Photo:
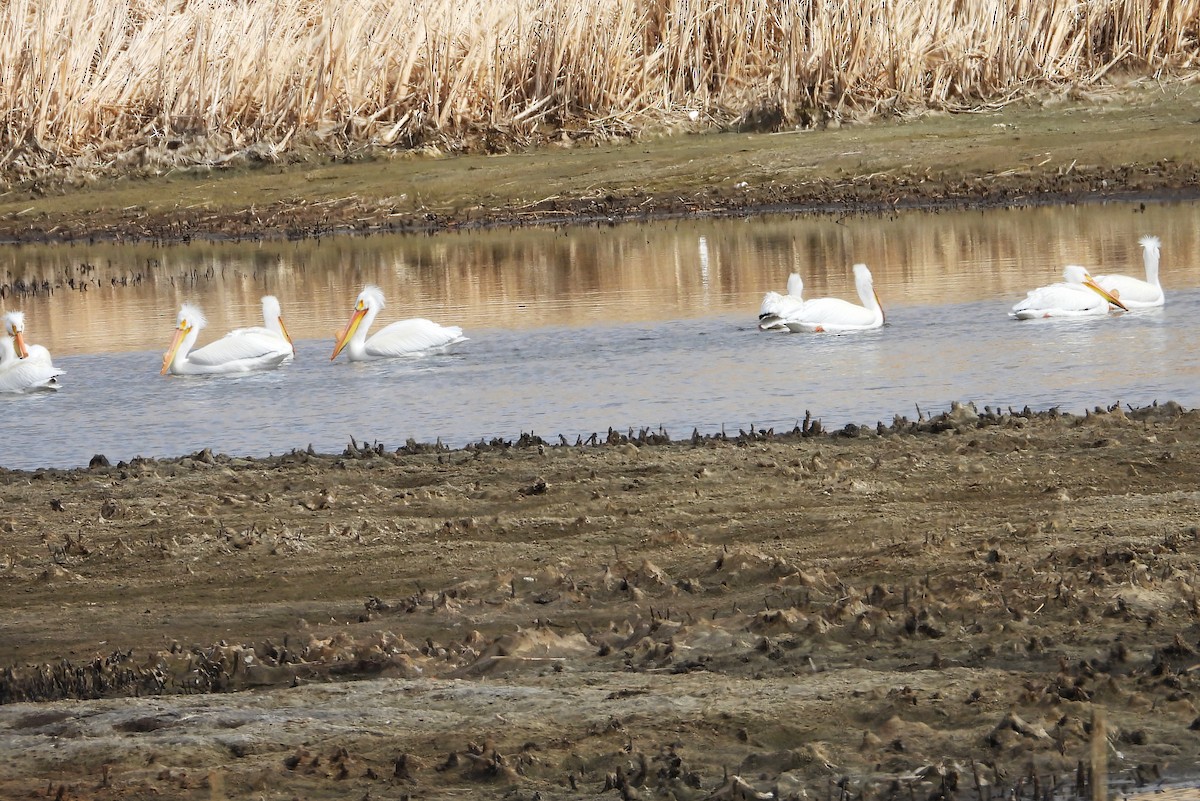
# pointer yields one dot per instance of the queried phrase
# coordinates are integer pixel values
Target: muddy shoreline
(931, 606)
(869, 196)
(1131, 144)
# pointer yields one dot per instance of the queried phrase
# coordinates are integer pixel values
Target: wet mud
(963, 606)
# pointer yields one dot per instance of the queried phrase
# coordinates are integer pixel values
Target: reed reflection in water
(575, 330)
(577, 276)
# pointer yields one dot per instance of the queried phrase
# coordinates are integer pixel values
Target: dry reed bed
(114, 82)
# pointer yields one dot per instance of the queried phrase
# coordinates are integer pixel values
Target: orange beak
(348, 331)
(169, 356)
(286, 335)
(1113, 299)
(22, 351)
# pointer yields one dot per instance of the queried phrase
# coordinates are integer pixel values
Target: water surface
(578, 329)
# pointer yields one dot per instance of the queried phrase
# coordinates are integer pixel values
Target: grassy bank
(141, 85)
(1140, 141)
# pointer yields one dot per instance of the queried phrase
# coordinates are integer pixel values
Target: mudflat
(958, 605)
(984, 604)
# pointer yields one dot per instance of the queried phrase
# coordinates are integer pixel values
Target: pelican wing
(833, 314)
(39, 355)
(245, 346)
(776, 311)
(779, 307)
(27, 376)
(281, 345)
(1061, 299)
(256, 330)
(412, 336)
(776, 307)
(1131, 291)
(770, 302)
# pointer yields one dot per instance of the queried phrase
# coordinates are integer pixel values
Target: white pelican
(1134, 292)
(272, 333)
(834, 315)
(404, 338)
(24, 368)
(1077, 295)
(235, 353)
(776, 309)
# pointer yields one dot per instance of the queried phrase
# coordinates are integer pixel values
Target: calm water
(576, 330)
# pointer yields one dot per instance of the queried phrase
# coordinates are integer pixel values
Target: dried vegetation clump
(143, 86)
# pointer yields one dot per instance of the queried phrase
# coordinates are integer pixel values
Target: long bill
(348, 332)
(169, 356)
(1104, 293)
(286, 335)
(22, 351)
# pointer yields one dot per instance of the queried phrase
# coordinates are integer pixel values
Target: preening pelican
(834, 315)
(24, 368)
(776, 309)
(241, 353)
(1077, 295)
(405, 338)
(1134, 292)
(272, 333)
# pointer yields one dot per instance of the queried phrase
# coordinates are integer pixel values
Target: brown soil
(936, 608)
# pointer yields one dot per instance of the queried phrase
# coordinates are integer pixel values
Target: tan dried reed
(91, 78)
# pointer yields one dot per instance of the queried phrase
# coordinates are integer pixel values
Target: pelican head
(1074, 274)
(190, 317)
(14, 322)
(14, 326)
(187, 325)
(273, 313)
(366, 306)
(370, 298)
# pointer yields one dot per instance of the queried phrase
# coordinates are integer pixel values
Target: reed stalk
(95, 80)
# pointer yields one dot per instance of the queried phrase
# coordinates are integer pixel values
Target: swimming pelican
(776, 309)
(1077, 295)
(834, 315)
(1134, 292)
(272, 333)
(24, 368)
(242, 353)
(404, 338)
